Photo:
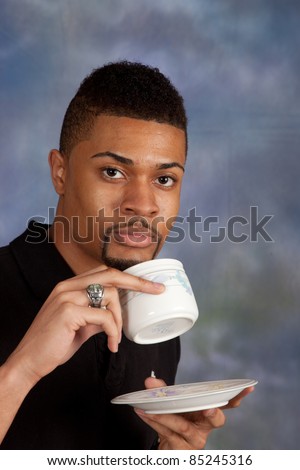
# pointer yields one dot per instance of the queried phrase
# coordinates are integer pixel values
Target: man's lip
(133, 237)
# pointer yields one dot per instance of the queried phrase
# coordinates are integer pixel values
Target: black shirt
(70, 408)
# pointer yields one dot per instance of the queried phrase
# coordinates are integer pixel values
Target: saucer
(185, 397)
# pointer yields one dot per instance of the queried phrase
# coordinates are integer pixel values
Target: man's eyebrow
(165, 166)
(115, 156)
(128, 161)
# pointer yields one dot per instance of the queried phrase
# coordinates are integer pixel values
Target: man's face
(122, 189)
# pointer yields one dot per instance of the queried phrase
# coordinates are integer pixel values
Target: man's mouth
(134, 237)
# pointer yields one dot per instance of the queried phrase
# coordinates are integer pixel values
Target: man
(118, 176)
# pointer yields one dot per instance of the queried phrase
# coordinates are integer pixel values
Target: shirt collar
(40, 262)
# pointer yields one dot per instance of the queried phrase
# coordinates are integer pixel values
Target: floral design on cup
(184, 282)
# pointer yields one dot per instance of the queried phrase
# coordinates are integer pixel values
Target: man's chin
(124, 261)
(114, 257)
(119, 263)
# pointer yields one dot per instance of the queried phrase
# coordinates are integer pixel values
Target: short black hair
(125, 89)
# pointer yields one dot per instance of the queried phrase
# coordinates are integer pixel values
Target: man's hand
(186, 430)
(63, 324)
(66, 321)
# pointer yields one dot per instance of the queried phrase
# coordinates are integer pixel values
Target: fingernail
(158, 286)
(153, 374)
(139, 412)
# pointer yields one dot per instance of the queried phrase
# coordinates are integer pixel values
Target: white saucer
(185, 397)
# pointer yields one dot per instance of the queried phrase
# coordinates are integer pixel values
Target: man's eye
(112, 173)
(165, 181)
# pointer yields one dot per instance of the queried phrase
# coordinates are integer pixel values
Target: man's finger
(236, 401)
(113, 278)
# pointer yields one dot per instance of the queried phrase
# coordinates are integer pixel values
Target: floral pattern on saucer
(161, 392)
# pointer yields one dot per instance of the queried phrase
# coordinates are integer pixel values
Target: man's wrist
(15, 378)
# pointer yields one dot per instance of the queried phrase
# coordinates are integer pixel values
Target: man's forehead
(128, 121)
(134, 139)
(123, 127)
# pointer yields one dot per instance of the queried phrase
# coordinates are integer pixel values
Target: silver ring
(95, 293)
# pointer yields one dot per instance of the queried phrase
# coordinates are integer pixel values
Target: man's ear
(58, 168)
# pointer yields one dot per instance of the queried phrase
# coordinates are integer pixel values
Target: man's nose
(139, 199)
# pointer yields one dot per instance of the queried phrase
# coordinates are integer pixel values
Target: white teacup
(151, 318)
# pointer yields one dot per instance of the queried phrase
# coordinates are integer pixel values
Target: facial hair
(122, 263)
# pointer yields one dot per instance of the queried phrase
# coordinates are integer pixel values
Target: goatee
(119, 263)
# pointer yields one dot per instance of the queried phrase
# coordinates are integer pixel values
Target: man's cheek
(169, 223)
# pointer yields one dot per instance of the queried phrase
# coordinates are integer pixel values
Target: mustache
(139, 222)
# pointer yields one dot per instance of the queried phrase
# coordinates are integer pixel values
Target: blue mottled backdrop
(237, 64)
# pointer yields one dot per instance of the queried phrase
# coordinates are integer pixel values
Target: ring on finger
(95, 293)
